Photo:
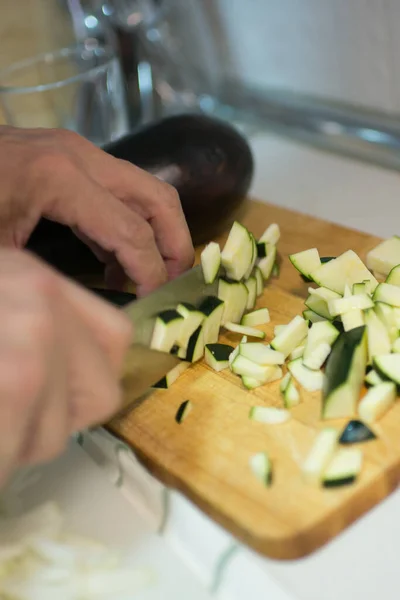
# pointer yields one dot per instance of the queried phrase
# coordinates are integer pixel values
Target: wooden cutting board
(206, 457)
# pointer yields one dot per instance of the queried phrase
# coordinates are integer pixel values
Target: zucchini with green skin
(306, 262)
(251, 285)
(348, 269)
(344, 374)
(183, 411)
(260, 465)
(372, 378)
(167, 330)
(217, 356)
(262, 249)
(170, 378)
(266, 265)
(253, 257)
(192, 318)
(210, 262)
(213, 309)
(243, 366)
(238, 252)
(344, 468)
(195, 348)
(356, 432)
(394, 275)
(259, 279)
(310, 315)
(387, 315)
(318, 300)
(291, 396)
(388, 367)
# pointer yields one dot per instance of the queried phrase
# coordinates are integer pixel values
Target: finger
(93, 387)
(159, 203)
(51, 424)
(19, 270)
(109, 223)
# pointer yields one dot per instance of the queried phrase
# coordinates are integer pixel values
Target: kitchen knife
(144, 366)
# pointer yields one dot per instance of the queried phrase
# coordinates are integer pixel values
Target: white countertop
(193, 557)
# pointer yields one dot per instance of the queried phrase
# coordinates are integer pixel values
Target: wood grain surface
(206, 457)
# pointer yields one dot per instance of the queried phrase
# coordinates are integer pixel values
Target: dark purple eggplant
(209, 163)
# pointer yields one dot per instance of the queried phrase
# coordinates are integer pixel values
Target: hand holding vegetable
(131, 220)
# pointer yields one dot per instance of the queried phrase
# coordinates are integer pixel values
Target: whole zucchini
(205, 159)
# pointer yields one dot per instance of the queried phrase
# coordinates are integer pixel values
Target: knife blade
(144, 366)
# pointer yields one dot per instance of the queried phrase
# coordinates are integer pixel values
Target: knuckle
(145, 235)
(170, 195)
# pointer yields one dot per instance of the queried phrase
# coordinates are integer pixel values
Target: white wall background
(348, 50)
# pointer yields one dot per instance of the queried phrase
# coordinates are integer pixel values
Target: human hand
(61, 356)
(132, 221)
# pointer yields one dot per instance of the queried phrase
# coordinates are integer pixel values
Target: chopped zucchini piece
(308, 379)
(183, 411)
(385, 256)
(262, 249)
(260, 280)
(293, 334)
(320, 455)
(257, 317)
(253, 258)
(234, 294)
(340, 306)
(170, 378)
(306, 262)
(388, 293)
(195, 348)
(323, 332)
(360, 288)
(344, 468)
(266, 264)
(377, 336)
(348, 269)
(356, 432)
(192, 318)
(394, 275)
(260, 465)
(344, 374)
(317, 357)
(250, 383)
(244, 366)
(297, 352)
(217, 356)
(377, 401)
(213, 309)
(269, 414)
(284, 382)
(251, 285)
(210, 262)
(291, 396)
(388, 366)
(271, 235)
(318, 299)
(250, 331)
(310, 315)
(233, 355)
(261, 354)
(373, 378)
(386, 314)
(167, 330)
(237, 254)
(352, 319)
(396, 346)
